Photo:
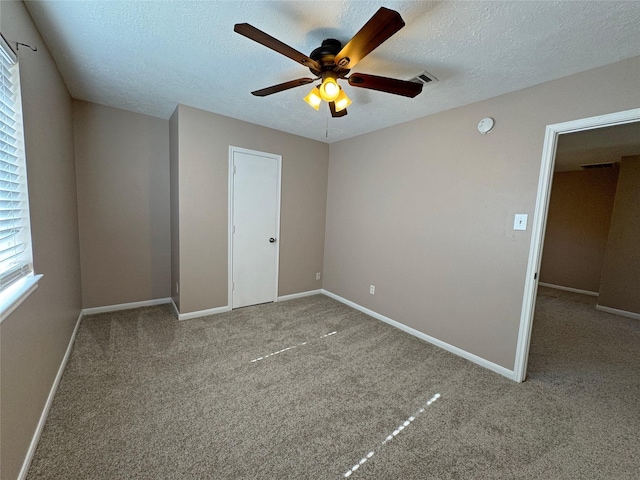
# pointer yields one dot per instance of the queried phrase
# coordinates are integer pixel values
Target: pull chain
(326, 135)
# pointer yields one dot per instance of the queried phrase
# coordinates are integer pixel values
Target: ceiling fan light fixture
(329, 90)
(342, 101)
(314, 99)
(332, 61)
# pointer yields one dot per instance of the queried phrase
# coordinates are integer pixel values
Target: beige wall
(424, 210)
(174, 142)
(620, 288)
(578, 227)
(122, 167)
(35, 336)
(203, 157)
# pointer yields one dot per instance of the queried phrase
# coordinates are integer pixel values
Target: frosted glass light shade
(314, 99)
(329, 90)
(342, 101)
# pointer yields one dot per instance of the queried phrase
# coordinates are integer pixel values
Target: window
(15, 237)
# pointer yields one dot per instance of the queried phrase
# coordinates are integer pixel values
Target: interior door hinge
(234, 229)
(535, 276)
(233, 285)
(234, 170)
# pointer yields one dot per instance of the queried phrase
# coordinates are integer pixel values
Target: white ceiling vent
(589, 166)
(424, 78)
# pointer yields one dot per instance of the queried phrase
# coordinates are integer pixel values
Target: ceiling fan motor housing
(325, 55)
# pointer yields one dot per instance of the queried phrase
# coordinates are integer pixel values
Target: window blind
(15, 237)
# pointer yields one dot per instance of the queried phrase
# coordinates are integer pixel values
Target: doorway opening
(552, 135)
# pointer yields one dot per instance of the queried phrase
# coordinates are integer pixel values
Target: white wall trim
(299, 295)
(230, 230)
(569, 289)
(199, 313)
(427, 338)
(125, 306)
(175, 308)
(47, 406)
(202, 313)
(13, 296)
(615, 311)
(540, 220)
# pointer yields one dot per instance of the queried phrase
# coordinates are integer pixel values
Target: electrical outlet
(372, 289)
(318, 276)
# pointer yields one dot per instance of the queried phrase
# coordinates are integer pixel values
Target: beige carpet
(270, 392)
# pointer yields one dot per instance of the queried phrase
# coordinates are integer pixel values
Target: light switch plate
(520, 221)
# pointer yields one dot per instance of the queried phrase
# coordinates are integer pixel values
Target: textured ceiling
(149, 56)
(600, 145)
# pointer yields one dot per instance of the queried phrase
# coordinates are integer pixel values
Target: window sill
(17, 293)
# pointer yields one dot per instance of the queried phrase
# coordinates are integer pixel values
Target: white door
(254, 190)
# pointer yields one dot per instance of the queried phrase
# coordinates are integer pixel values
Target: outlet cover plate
(520, 221)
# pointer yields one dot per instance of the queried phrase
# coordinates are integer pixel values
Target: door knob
(271, 240)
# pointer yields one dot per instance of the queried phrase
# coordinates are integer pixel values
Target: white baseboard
(125, 306)
(199, 313)
(175, 308)
(423, 336)
(214, 311)
(47, 406)
(568, 289)
(615, 311)
(299, 295)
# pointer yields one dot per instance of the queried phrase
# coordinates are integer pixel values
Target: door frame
(232, 150)
(540, 221)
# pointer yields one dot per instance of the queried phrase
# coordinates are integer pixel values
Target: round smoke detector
(485, 125)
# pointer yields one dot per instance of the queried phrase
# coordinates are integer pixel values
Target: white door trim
(540, 221)
(274, 156)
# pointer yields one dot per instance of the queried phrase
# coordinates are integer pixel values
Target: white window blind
(15, 237)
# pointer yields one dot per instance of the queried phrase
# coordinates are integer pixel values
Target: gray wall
(35, 336)
(122, 168)
(424, 210)
(620, 288)
(578, 227)
(203, 156)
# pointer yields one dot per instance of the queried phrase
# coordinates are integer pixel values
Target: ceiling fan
(332, 61)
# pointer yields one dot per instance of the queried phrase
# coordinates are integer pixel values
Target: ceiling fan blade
(380, 27)
(268, 41)
(281, 87)
(385, 84)
(334, 114)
